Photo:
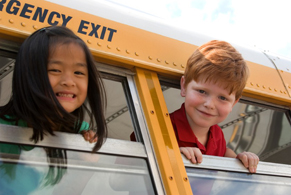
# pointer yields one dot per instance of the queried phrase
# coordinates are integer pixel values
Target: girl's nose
(67, 80)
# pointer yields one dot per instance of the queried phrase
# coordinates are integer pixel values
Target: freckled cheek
(225, 110)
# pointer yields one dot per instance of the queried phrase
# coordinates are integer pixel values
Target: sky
(264, 24)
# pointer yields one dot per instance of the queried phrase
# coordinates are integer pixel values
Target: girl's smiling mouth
(65, 95)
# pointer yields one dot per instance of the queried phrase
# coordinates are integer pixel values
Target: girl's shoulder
(84, 126)
(21, 123)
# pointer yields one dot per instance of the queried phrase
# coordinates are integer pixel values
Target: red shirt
(216, 144)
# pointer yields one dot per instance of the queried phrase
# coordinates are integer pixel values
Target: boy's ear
(182, 85)
(235, 102)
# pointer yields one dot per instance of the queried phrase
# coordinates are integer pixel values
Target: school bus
(142, 59)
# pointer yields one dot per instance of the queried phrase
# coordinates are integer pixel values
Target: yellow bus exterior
(149, 55)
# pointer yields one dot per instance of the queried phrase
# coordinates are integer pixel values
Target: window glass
(260, 129)
(204, 181)
(39, 170)
(6, 66)
(117, 115)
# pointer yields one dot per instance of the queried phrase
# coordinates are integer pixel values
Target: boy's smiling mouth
(205, 113)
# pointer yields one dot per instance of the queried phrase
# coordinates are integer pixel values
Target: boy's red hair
(218, 62)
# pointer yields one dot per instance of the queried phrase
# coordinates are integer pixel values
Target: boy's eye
(222, 98)
(201, 91)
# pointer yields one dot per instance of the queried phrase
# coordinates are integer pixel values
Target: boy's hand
(89, 135)
(192, 153)
(249, 160)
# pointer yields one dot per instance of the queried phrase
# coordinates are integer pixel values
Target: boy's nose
(209, 103)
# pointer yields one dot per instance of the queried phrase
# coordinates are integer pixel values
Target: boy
(212, 84)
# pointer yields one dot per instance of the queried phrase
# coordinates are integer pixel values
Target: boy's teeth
(65, 95)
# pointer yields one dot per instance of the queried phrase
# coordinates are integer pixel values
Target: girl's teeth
(65, 95)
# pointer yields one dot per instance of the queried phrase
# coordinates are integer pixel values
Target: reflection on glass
(36, 170)
(210, 182)
(263, 131)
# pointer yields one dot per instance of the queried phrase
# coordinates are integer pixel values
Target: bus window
(118, 117)
(262, 129)
(227, 176)
(59, 166)
(118, 113)
(6, 67)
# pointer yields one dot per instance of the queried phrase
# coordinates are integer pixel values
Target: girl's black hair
(33, 99)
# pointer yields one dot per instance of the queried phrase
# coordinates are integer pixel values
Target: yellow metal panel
(265, 84)
(166, 149)
(128, 45)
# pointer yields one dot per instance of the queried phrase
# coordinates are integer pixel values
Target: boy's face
(206, 104)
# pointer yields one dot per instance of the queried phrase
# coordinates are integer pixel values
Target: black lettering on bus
(111, 33)
(2, 4)
(103, 32)
(94, 30)
(10, 9)
(66, 20)
(25, 10)
(51, 16)
(82, 26)
(40, 14)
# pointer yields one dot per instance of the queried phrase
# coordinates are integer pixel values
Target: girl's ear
(182, 85)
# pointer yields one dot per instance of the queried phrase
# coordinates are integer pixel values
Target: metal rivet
(281, 91)
(166, 62)
(11, 21)
(282, 71)
(275, 90)
(108, 46)
(89, 41)
(264, 87)
(35, 27)
(99, 44)
(152, 112)
(258, 85)
(158, 60)
(136, 54)
(171, 178)
(117, 48)
(270, 88)
(185, 179)
(174, 64)
(284, 92)
(23, 24)
(289, 87)
(251, 83)
(182, 65)
(150, 58)
(127, 51)
(167, 114)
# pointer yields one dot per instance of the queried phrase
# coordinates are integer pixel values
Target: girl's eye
(79, 73)
(54, 70)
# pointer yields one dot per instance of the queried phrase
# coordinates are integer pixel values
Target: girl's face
(68, 75)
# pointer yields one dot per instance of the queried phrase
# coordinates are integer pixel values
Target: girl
(54, 77)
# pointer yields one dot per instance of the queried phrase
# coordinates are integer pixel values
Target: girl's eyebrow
(82, 65)
(52, 61)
